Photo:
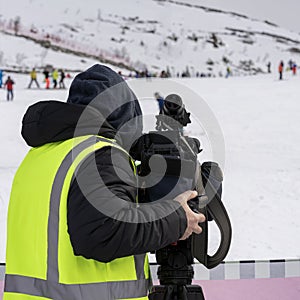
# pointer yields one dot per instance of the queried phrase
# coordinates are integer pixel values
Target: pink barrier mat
(245, 289)
(250, 289)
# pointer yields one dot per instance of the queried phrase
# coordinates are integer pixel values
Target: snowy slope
(21, 54)
(259, 118)
(152, 33)
(283, 13)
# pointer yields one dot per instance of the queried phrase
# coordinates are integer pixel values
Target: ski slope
(153, 34)
(259, 120)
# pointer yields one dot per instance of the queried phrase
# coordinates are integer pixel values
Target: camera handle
(213, 210)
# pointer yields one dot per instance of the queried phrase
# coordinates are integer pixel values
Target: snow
(282, 13)
(121, 30)
(27, 54)
(259, 120)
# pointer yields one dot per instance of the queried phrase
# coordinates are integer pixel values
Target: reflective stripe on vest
(55, 285)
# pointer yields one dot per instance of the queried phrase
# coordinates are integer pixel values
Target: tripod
(175, 274)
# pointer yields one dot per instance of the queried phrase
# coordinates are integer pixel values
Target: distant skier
(269, 67)
(47, 79)
(160, 100)
(61, 80)
(33, 78)
(163, 74)
(9, 83)
(294, 69)
(280, 70)
(147, 73)
(1, 78)
(55, 78)
(291, 63)
(228, 72)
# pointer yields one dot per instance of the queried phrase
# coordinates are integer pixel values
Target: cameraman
(61, 243)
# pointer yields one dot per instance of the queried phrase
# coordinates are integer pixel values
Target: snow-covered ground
(259, 118)
(152, 33)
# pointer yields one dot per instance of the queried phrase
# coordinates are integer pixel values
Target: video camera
(169, 167)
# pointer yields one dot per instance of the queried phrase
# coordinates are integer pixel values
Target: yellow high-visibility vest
(40, 262)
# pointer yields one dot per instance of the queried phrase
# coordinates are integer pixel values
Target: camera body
(168, 164)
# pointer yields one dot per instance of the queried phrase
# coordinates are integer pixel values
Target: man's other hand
(193, 219)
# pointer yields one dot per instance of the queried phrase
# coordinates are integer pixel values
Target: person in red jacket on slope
(280, 69)
(9, 83)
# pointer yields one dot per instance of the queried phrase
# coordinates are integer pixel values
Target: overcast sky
(285, 13)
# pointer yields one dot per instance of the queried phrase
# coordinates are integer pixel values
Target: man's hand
(193, 219)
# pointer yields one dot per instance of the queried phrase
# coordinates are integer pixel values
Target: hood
(99, 102)
(106, 91)
(53, 121)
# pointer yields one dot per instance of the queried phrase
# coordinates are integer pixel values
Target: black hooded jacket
(127, 229)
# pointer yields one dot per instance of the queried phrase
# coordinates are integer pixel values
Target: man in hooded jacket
(74, 228)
